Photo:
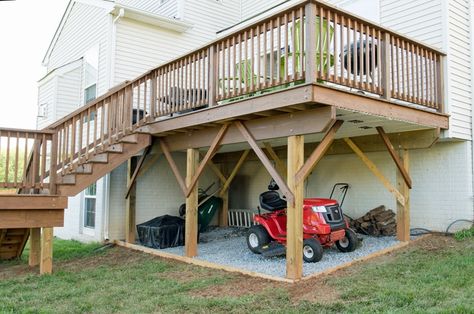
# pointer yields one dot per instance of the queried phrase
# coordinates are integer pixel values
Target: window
(90, 205)
(90, 93)
(43, 110)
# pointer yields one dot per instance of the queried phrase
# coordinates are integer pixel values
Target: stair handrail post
(310, 40)
(53, 164)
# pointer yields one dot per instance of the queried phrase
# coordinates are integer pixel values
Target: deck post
(403, 210)
(224, 213)
(294, 248)
(46, 263)
(191, 224)
(53, 164)
(386, 67)
(130, 219)
(310, 12)
(35, 246)
(212, 75)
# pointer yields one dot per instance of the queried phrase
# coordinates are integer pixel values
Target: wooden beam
(234, 172)
(294, 236)
(191, 223)
(278, 126)
(35, 247)
(31, 218)
(137, 170)
(279, 164)
(278, 99)
(174, 168)
(403, 209)
(266, 162)
(37, 202)
(210, 153)
(46, 262)
(318, 153)
(372, 167)
(332, 96)
(130, 203)
(395, 156)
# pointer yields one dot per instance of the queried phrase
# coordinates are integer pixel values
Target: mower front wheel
(312, 251)
(348, 243)
(257, 237)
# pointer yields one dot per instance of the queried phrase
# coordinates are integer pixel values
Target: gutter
(149, 18)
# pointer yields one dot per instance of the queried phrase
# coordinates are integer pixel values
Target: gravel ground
(227, 246)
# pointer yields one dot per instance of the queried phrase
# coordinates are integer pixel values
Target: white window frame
(85, 211)
(43, 110)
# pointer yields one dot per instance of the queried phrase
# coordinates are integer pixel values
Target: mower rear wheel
(312, 251)
(257, 237)
(348, 243)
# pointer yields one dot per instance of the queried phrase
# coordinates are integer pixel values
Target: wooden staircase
(88, 171)
(12, 242)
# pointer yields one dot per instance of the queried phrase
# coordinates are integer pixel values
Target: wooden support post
(46, 263)
(35, 247)
(224, 213)
(191, 224)
(130, 202)
(294, 238)
(403, 210)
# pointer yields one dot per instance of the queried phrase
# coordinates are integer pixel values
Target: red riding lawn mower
(324, 225)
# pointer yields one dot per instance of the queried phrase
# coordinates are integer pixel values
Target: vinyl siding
(168, 9)
(47, 95)
(86, 26)
(141, 47)
(424, 21)
(68, 92)
(251, 8)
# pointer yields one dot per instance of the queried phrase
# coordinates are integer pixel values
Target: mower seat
(272, 201)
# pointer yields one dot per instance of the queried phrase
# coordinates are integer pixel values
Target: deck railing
(310, 42)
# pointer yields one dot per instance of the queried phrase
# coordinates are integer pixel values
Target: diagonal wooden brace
(266, 162)
(395, 157)
(318, 153)
(174, 168)
(210, 153)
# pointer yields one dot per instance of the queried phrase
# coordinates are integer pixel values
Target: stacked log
(377, 222)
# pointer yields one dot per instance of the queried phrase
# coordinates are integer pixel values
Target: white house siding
(47, 95)
(74, 218)
(141, 47)
(251, 8)
(68, 93)
(445, 25)
(169, 8)
(157, 193)
(441, 190)
(86, 26)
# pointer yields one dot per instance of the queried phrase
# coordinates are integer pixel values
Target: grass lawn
(433, 275)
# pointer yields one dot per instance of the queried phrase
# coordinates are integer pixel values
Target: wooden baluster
(34, 173)
(246, 60)
(321, 44)
(53, 163)
(430, 58)
(301, 72)
(336, 50)
(265, 67)
(402, 69)
(422, 80)
(25, 159)
(80, 137)
(44, 144)
(15, 181)
(328, 44)
(239, 61)
(278, 67)
(287, 60)
(392, 64)
(252, 59)
(373, 57)
(349, 52)
(381, 64)
(271, 56)
(354, 55)
(360, 30)
(73, 139)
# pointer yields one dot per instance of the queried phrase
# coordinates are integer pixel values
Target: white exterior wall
(158, 193)
(86, 26)
(69, 92)
(445, 25)
(141, 47)
(252, 7)
(47, 95)
(442, 192)
(74, 218)
(169, 8)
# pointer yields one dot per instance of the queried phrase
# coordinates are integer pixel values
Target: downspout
(106, 202)
(471, 10)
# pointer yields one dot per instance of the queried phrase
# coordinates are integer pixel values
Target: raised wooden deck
(311, 73)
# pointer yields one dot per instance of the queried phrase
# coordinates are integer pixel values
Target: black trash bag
(162, 232)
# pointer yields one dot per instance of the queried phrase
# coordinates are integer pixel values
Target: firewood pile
(377, 222)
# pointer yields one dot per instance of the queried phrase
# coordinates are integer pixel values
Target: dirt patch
(314, 291)
(184, 273)
(435, 243)
(9, 270)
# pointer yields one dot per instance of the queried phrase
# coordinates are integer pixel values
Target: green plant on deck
(11, 166)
